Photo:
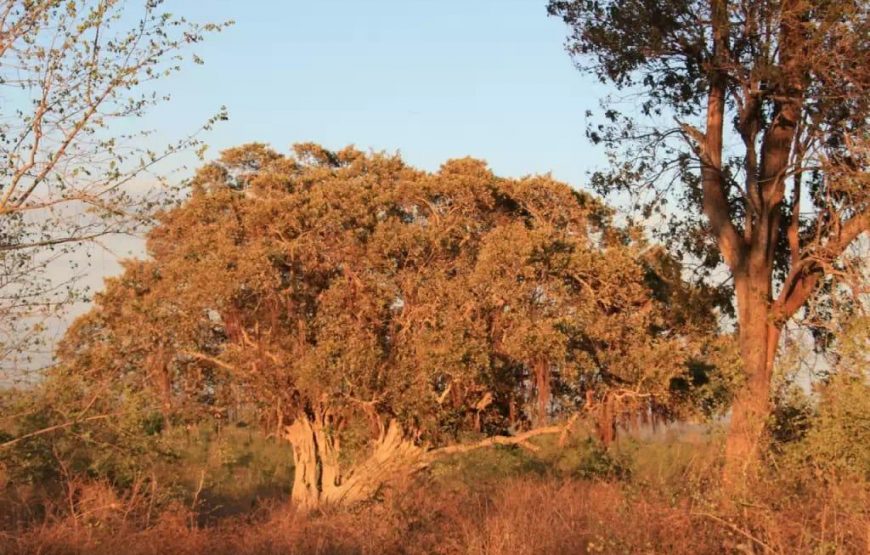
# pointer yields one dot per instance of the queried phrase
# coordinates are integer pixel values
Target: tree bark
(758, 337)
(306, 479)
(319, 480)
(751, 259)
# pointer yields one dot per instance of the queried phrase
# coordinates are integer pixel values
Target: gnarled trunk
(319, 479)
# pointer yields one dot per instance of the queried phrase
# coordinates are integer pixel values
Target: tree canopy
(361, 298)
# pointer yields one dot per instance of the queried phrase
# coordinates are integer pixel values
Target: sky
(433, 79)
(430, 79)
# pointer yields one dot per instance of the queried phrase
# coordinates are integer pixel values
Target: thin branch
(501, 440)
(803, 277)
(43, 431)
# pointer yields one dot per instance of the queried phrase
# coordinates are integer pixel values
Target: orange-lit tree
(751, 117)
(374, 314)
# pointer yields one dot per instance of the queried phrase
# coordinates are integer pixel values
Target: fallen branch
(519, 439)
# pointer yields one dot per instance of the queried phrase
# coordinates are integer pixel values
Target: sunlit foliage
(351, 292)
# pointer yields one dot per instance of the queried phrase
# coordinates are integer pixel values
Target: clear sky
(433, 79)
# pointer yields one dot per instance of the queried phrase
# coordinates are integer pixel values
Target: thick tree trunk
(758, 337)
(319, 480)
(306, 478)
(747, 258)
(758, 318)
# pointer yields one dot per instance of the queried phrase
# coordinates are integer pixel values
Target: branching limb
(804, 276)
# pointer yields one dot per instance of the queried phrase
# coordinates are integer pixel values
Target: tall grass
(643, 497)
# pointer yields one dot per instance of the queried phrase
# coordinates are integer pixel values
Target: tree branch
(205, 358)
(12, 442)
(502, 440)
(7, 247)
(804, 276)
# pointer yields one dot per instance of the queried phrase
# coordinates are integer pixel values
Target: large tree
(753, 114)
(74, 74)
(373, 314)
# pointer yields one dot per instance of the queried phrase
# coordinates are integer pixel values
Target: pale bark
(320, 481)
(319, 478)
(305, 493)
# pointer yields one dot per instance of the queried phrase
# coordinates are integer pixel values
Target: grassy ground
(229, 472)
(651, 495)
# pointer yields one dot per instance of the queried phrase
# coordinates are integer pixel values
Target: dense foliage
(352, 292)
(343, 321)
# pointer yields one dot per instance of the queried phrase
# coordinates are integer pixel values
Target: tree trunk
(306, 479)
(319, 480)
(758, 339)
(752, 264)
(542, 387)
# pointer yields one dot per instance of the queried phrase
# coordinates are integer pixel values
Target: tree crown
(351, 283)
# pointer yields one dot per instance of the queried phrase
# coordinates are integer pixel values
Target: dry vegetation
(301, 330)
(488, 504)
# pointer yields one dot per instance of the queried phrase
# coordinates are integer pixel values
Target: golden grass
(520, 516)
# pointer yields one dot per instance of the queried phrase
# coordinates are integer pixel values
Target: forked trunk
(319, 479)
(760, 321)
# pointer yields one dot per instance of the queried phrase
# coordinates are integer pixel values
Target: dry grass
(520, 516)
(496, 502)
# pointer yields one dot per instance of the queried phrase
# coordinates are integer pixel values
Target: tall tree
(754, 114)
(74, 74)
(372, 313)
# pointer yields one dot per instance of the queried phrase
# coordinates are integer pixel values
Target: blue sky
(433, 79)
